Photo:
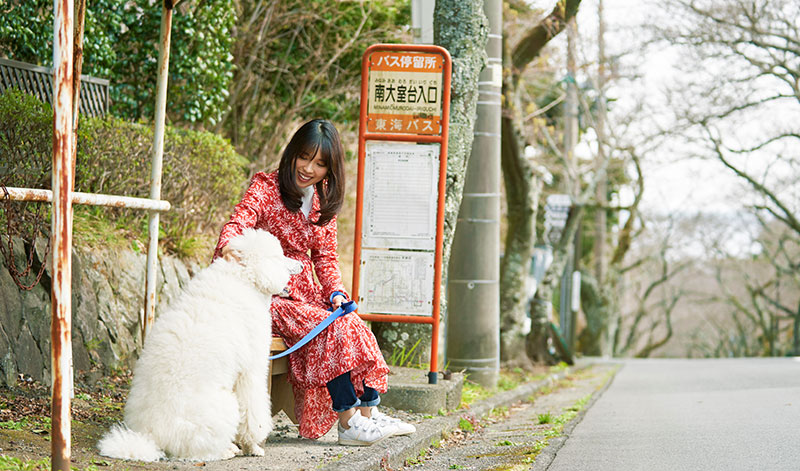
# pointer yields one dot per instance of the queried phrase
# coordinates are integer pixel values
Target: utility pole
(568, 316)
(422, 21)
(473, 321)
(571, 105)
(600, 222)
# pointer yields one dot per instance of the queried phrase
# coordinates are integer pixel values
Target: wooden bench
(280, 390)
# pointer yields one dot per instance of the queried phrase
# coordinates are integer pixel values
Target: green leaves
(121, 44)
(300, 59)
(202, 173)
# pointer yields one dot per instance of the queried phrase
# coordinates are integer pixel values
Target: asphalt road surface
(725, 414)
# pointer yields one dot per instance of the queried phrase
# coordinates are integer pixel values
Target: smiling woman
(310, 169)
(313, 159)
(341, 371)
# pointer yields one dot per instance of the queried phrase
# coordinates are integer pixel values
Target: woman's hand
(229, 254)
(337, 301)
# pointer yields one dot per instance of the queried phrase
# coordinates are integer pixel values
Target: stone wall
(107, 303)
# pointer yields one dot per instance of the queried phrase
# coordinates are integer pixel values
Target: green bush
(121, 44)
(202, 174)
(26, 141)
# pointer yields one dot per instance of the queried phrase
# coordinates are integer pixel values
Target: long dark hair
(318, 134)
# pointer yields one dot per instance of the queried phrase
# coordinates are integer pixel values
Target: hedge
(202, 177)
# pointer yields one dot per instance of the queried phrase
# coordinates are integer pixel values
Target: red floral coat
(348, 344)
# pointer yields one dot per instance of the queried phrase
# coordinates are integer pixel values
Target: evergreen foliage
(121, 44)
(202, 173)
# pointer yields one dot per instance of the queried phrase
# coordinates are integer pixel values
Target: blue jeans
(343, 395)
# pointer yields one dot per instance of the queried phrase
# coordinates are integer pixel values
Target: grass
(527, 454)
(10, 463)
(465, 425)
(499, 411)
(549, 426)
(12, 425)
(507, 380)
(401, 356)
(95, 227)
(472, 392)
(33, 424)
(546, 418)
(419, 459)
(15, 464)
(506, 383)
(558, 422)
(580, 403)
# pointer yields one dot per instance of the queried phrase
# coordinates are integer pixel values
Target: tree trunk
(522, 197)
(542, 306)
(522, 186)
(600, 220)
(460, 26)
(796, 333)
(594, 309)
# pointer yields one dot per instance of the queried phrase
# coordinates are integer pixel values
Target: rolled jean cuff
(357, 404)
(371, 403)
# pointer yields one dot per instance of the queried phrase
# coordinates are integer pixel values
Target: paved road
(731, 414)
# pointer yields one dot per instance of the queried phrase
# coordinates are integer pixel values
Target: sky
(671, 184)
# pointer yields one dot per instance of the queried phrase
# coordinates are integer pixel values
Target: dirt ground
(25, 421)
(25, 434)
(511, 438)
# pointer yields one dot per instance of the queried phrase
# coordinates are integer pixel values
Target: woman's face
(309, 169)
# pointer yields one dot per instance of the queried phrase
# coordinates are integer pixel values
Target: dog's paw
(256, 451)
(234, 449)
(252, 450)
(229, 453)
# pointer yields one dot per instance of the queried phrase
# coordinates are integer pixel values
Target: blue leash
(345, 308)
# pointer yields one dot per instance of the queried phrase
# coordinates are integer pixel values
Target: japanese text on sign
(401, 180)
(405, 93)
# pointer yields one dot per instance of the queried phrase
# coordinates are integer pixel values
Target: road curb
(393, 452)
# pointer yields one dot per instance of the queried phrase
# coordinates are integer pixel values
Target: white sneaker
(383, 420)
(363, 431)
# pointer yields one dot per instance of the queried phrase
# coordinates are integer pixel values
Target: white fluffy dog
(200, 387)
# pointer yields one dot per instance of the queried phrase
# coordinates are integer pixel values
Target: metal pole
(570, 141)
(93, 199)
(601, 264)
(600, 219)
(158, 153)
(77, 64)
(473, 321)
(61, 235)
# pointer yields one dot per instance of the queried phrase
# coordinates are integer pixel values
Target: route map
(396, 282)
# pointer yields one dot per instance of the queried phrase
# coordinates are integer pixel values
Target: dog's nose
(293, 266)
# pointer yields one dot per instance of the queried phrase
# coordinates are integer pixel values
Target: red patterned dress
(348, 344)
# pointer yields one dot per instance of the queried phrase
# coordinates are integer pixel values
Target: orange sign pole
(383, 125)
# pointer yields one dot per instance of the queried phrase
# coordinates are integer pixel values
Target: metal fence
(38, 81)
(46, 83)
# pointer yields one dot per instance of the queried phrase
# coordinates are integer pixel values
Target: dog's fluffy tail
(124, 443)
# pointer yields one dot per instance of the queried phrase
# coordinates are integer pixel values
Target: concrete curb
(393, 452)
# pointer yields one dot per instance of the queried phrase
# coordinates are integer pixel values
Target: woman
(341, 371)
